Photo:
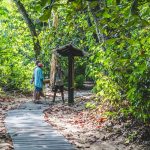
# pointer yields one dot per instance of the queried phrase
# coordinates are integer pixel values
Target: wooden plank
(29, 131)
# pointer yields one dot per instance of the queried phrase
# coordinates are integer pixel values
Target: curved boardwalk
(29, 131)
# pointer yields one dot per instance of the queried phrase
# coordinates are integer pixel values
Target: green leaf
(145, 23)
(93, 4)
(106, 15)
(46, 15)
(43, 2)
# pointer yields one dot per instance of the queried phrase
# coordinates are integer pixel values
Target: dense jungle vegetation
(114, 33)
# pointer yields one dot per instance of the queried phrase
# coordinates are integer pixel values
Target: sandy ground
(87, 129)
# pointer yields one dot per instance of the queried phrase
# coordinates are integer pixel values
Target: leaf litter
(88, 129)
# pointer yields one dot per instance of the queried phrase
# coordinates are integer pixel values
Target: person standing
(36, 65)
(58, 83)
(38, 81)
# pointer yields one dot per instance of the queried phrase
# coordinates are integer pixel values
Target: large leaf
(46, 15)
(44, 2)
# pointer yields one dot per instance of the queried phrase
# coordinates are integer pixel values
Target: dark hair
(37, 61)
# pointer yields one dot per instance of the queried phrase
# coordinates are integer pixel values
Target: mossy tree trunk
(53, 63)
(31, 26)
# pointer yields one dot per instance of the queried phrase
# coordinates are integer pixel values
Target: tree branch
(22, 10)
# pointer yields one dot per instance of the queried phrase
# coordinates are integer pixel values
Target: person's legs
(34, 95)
(62, 93)
(55, 91)
(41, 93)
(54, 96)
(37, 93)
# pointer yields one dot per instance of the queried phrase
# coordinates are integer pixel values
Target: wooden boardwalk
(29, 131)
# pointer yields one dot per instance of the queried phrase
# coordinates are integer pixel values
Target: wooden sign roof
(69, 50)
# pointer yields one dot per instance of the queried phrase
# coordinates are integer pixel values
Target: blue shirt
(38, 77)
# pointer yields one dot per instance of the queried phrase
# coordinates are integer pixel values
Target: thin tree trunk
(100, 36)
(22, 10)
(53, 63)
(90, 24)
(54, 59)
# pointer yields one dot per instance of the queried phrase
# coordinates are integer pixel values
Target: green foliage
(122, 69)
(120, 64)
(16, 66)
(131, 137)
(107, 88)
(90, 105)
(114, 33)
(79, 80)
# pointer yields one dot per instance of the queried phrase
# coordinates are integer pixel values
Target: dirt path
(87, 129)
(80, 128)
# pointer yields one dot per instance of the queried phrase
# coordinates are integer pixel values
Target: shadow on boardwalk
(28, 129)
(77, 124)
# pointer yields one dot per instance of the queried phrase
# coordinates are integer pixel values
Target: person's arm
(32, 80)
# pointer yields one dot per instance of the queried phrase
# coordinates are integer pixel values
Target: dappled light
(29, 130)
(74, 74)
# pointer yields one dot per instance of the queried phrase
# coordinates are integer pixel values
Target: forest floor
(86, 128)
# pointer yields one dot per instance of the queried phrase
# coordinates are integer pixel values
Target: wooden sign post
(70, 51)
(71, 80)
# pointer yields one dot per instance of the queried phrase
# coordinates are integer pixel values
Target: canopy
(69, 50)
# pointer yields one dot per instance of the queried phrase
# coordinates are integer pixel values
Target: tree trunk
(90, 24)
(22, 10)
(53, 63)
(100, 36)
